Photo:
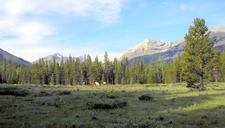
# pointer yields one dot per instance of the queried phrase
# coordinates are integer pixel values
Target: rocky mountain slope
(153, 50)
(58, 58)
(8, 56)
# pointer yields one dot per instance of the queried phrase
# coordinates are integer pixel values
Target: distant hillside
(58, 58)
(157, 50)
(8, 56)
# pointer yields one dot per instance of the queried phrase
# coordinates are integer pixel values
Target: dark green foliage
(63, 92)
(44, 93)
(145, 97)
(76, 72)
(198, 52)
(147, 58)
(15, 91)
(105, 104)
(223, 66)
(112, 96)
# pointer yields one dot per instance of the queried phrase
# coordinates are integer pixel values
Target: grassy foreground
(112, 106)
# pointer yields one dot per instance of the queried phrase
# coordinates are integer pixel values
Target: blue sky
(32, 29)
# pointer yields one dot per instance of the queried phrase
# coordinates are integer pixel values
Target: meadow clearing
(112, 106)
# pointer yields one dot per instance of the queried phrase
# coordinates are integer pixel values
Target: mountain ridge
(8, 56)
(58, 58)
(169, 50)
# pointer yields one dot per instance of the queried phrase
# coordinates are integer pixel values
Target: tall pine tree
(198, 51)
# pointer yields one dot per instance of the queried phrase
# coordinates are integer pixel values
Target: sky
(32, 29)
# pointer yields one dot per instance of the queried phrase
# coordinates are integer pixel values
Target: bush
(44, 93)
(92, 95)
(64, 93)
(145, 97)
(112, 96)
(105, 104)
(15, 91)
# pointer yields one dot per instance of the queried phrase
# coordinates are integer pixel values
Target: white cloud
(183, 6)
(23, 31)
(186, 7)
(105, 10)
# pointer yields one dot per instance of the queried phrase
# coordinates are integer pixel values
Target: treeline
(75, 72)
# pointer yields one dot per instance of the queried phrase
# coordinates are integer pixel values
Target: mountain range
(58, 58)
(157, 50)
(8, 56)
(147, 49)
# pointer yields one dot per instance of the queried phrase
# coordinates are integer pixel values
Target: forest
(199, 63)
(75, 72)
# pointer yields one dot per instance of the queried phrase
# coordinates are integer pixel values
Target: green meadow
(112, 106)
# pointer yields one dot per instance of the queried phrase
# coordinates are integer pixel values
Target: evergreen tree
(81, 70)
(103, 78)
(52, 79)
(223, 66)
(178, 68)
(35, 74)
(138, 71)
(216, 60)
(77, 72)
(127, 74)
(66, 74)
(61, 71)
(3, 71)
(198, 51)
(132, 72)
(123, 81)
(42, 69)
(50, 72)
(57, 73)
(97, 70)
(89, 69)
(107, 67)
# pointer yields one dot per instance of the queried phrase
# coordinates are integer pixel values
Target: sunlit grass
(172, 105)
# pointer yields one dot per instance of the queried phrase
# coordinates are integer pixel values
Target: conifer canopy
(198, 52)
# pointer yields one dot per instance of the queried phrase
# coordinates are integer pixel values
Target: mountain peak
(146, 47)
(150, 49)
(57, 55)
(217, 29)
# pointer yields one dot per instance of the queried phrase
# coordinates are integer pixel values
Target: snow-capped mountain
(58, 58)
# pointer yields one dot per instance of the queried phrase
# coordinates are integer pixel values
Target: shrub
(112, 96)
(92, 95)
(64, 92)
(145, 97)
(58, 102)
(44, 93)
(106, 104)
(11, 90)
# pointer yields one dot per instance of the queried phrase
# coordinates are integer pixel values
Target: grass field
(112, 106)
